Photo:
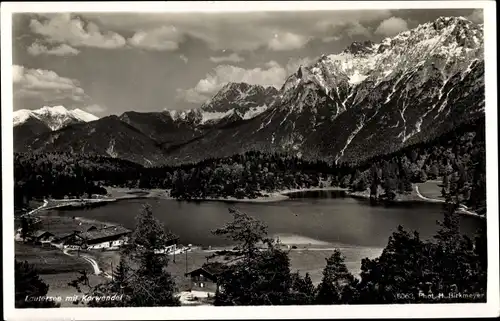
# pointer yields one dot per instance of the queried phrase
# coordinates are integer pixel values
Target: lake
(322, 218)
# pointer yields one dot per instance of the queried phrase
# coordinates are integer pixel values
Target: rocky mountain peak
(239, 96)
(360, 47)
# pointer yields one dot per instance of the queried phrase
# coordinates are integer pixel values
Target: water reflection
(326, 216)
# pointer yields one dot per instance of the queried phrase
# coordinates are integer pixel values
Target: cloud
(357, 29)
(331, 39)
(95, 109)
(271, 74)
(165, 38)
(234, 57)
(45, 85)
(63, 28)
(230, 30)
(391, 27)
(190, 96)
(37, 49)
(271, 64)
(294, 64)
(476, 16)
(287, 41)
(351, 28)
(184, 58)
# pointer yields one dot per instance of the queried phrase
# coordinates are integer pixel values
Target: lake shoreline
(162, 194)
(414, 197)
(269, 197)
(119, 194)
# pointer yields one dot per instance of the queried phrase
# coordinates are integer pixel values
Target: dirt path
(45, 203)
(92, 261)
(435, 200)
(461, 210)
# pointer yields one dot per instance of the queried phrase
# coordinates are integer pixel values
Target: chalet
(205, 277)
(38, 237)
(108, 237)
(65, 239)
(43, 237)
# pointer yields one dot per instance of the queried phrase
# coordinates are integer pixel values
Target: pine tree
(374, 182)
(149, 284)
(28, 287)
(307, 286)
(446, 182)
(455, 261)
(434, 171)
(336, 278)
(121, 276)
(247, 232)
(449, 231)
(422, 176)
(302, 289)
(259, 272)
(29, 225)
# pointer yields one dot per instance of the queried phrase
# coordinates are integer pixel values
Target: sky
(109, 63)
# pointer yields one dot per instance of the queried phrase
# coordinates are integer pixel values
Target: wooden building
(43, 237)
(205, 277)
(108, 238)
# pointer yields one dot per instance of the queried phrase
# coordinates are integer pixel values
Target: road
(45, 203)
(435, 200)
(92, 261)
(461, 210)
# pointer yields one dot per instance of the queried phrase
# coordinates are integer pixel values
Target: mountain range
(53, 118)
(367, 100)
(30, 124)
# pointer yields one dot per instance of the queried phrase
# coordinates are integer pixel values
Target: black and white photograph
(184, 156)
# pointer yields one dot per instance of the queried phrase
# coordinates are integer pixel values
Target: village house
(205, 277)
(37, 237)
(66, 240)
(77, 234)
(43, 237)
(106, 238)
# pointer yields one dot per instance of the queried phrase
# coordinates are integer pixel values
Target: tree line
(456, 156)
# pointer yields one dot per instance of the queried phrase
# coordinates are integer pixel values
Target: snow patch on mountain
(214, 116)
(356, 78)
(83, 115)
(350, 138)
(22, 115)
(451, 43)
(55, 117)
(200, 117)
(239, 96)
(239, 100)
(179, 114)
(254, 111)
(111, 148)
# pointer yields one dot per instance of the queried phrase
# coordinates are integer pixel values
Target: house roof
(214, 268)
(41, 233)
(62, 226)
(104, 232)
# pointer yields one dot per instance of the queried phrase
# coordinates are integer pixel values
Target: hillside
(370, 99)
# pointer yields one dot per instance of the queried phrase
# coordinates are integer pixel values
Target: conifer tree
(336, 278)
(29, 287)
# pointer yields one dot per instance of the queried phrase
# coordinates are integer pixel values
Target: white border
(491, 308)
